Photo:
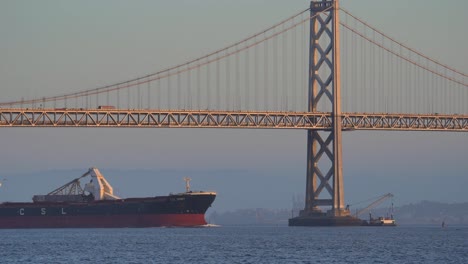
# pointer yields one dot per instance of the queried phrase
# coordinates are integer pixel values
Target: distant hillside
(422, 213)
(427, 212)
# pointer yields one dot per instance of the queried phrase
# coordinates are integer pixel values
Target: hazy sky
(53, 47)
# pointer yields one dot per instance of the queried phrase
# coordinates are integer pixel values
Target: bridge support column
(324, 185)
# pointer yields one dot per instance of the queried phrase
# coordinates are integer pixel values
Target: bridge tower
(324, 155)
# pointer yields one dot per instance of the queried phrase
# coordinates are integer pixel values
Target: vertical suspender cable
(237, 80)
(294, 68)
(246, 88)
(265, 76)
(179, 101)
(208, 86)
(218, 99)
(256, 84)
(189, 88)
(148, 94)
(284, 101)
(198, 95)
(228, 86)
(169, 102)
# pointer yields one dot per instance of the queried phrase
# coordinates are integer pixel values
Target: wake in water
(210, 225)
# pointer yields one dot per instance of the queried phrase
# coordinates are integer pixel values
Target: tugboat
(96, 206)
(381, 221)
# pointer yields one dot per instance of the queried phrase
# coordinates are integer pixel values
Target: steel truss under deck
(224, 119)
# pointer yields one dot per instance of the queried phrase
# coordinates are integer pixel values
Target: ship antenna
(187, 184)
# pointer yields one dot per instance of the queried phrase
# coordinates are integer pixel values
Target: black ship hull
(186, 209)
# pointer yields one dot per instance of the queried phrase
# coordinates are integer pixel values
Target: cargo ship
(96, 206)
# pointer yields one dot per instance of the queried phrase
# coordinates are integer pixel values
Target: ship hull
(114, 221)
(183, 210)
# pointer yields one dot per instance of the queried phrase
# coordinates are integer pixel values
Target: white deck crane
(99, 187)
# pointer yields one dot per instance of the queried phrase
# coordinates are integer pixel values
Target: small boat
(381, 221)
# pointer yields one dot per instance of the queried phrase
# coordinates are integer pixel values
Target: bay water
(237, 244)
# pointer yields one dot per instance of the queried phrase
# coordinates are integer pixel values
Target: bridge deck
(225, 119)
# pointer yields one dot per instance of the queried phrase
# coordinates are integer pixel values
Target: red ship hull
(110, 221)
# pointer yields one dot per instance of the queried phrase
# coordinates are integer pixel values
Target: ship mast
(187, 184)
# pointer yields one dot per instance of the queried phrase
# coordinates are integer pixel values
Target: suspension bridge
(323, 70)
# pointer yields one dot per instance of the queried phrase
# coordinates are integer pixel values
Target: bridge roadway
(73, 117)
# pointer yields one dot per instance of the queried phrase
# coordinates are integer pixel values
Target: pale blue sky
(53, 47)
